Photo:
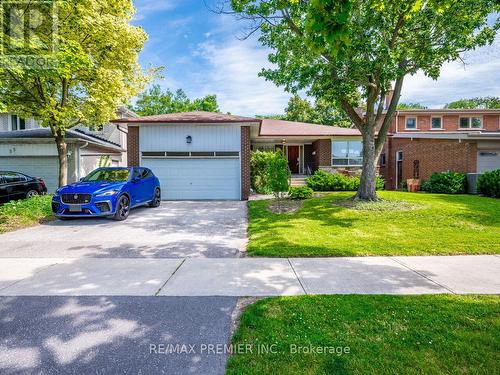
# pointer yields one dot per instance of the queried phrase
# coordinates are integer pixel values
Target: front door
(399, 170)
(293, 158)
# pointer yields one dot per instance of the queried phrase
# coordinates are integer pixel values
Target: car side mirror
(136, 180)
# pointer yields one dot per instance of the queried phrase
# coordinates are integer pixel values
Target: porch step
(298, 181)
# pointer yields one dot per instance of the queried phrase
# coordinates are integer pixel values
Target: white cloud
(232, 73)
(479, 77)
(146, 7)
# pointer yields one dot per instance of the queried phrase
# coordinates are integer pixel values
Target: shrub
(489, 184)
(447, 183)
(259, 171)
(426, 186)
(324, 181)
(300, 192)
(278, 174)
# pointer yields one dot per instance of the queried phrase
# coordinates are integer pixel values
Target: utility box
(472, 182)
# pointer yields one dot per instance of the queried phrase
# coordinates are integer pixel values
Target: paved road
(250, 276)
(174, 230)
(113, 335)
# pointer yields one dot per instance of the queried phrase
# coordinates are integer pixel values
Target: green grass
(404, 224)
(24, 213)
(440, 334)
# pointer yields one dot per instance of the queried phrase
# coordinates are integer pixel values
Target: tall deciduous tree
(488, 102)
(411, 106)
(351, 51)
(303, 110)
(155, 101)
(93, 66)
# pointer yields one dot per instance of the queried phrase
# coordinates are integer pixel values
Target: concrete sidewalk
(249, 276)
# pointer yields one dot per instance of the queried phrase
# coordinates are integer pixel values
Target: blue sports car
(110, 192)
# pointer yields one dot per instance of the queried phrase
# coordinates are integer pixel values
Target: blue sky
(202, 55)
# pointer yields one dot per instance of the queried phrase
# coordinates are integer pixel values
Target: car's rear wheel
(122, 208)
(156, 199)
(31, 193)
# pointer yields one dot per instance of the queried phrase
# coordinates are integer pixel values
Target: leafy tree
(278, 174)
(155, 102)
(321, 112)
(488, 102)
(352, 51)
(411, 106)
(301, 110)
(92, 72)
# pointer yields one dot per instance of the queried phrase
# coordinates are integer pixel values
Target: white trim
(480, 117)
(416, 122)
(342, 165)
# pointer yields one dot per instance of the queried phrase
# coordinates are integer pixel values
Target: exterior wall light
(189, 139)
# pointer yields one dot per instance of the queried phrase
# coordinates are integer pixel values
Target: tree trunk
(62, 152)
(367, 186)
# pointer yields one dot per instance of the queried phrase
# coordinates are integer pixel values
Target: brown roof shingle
(188, 117)
(270, 128)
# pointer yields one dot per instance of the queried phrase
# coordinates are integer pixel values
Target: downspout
(78, 176)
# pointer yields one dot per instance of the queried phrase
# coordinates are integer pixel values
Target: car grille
(76, 198)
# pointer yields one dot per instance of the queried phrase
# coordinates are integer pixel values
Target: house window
(382, 160)
(470, 123)
(436, 123)
(13, 121)
(411, 123)
(17, 123)
(347, 153)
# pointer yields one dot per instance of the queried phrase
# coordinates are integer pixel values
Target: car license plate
(75, 208)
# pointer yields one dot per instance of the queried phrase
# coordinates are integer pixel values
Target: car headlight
(57, 193)
(108, 193)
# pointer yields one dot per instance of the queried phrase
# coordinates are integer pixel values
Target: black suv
(15, 185)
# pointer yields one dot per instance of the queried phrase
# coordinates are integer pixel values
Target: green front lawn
(440, 334)
(25, 213)
(406, 224)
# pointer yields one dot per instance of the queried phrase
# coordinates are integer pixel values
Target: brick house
(202, 155)
(421, 142)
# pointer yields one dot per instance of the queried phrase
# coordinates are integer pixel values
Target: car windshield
(108, 175)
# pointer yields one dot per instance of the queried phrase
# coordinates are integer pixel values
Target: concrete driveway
(174, 230)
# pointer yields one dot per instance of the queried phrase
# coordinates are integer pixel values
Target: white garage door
(47, 168)
(488, 160)
(186, 179)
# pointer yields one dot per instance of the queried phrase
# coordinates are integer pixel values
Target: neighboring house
(28, 148)
(423, 141)
(202, 155)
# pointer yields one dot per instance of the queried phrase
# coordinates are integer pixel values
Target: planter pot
(413, 185)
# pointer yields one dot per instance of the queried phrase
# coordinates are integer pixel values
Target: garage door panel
(488, 160)
(47, 168)
(197, 178)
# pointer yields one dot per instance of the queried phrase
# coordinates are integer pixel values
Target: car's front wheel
(31, 193)
(122, 208)
(156, 199)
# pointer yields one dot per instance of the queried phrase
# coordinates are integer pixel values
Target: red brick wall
(133, 158)
(245, 162)
(491, 122)
(323, 150)
(434, 155)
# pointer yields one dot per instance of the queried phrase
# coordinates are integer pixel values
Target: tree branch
(382, 134)
(351, 112)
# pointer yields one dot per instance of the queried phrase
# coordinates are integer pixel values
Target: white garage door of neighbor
(488, 160)
(186, 179)
(47, 168)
